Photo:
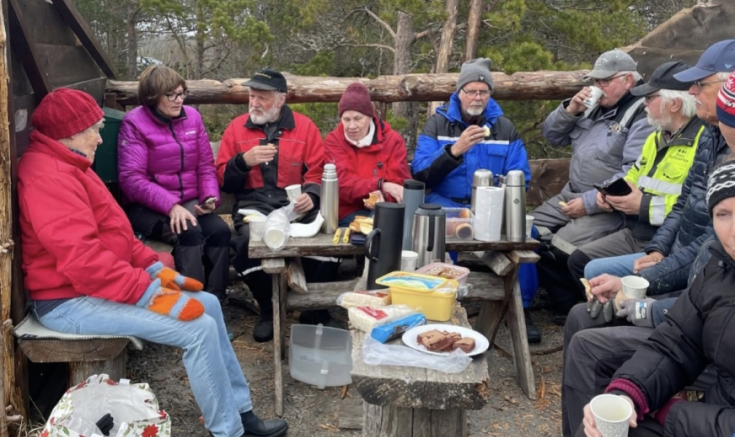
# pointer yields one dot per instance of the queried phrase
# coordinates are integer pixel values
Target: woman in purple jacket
(168, 180)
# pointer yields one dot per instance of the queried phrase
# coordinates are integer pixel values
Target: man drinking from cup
(591, 356)
(606, 140)
(263, 152)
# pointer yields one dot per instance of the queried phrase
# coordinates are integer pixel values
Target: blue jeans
(617, 266)
(216, 378)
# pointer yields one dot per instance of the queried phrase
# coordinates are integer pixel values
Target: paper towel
(488, 213)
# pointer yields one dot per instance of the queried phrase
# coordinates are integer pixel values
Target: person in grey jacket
(606, 141)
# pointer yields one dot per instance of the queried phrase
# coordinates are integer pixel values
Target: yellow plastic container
(435, 305)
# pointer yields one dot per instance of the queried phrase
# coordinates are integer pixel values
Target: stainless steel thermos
(429, 238)
(515, 206)
(329, 199)
(481, 178)
(413, 196)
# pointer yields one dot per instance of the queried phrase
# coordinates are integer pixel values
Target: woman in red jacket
(86, 273)
(369, 155)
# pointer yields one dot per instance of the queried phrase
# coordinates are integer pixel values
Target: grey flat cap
(610, 63)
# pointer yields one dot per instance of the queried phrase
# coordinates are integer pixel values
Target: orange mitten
(170, 303)
(173, 279)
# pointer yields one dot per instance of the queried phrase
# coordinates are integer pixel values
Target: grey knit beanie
(475, 70)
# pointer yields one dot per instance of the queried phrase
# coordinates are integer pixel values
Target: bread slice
(467, 344)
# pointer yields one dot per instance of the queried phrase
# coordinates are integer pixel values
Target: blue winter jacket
(451, 177)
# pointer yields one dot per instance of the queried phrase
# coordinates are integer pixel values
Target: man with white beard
(655, 179)
(261, 153)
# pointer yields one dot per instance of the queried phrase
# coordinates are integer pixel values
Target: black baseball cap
(663, 79)
(267, 80)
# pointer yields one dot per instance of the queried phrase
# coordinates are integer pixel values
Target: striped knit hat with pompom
(726, 102)
(721, 184)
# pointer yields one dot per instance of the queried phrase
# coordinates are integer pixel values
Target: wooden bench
(85, 355)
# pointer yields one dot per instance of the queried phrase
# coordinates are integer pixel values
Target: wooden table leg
(519, 342)
(277, 340)
(390, 421)
(492, 312)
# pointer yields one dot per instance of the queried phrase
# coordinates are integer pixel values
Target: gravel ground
(314, 413)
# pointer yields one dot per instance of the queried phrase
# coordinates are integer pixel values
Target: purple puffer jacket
(162, 164)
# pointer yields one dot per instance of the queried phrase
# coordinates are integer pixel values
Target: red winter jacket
(359, 170)
(76, 239)
(300, 160)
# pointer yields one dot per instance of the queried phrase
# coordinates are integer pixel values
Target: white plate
(409, 338)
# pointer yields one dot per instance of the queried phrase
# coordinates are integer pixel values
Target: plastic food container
(460, 224)
(320, 356)
(433, 296)
(444, 270)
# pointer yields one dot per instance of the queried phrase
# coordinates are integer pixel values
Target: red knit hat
(726, 102)
(65, 112)
(356, 98)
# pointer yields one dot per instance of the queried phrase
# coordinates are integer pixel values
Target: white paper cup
(293, 192)
(409, 260)
(612, 413)
(257, 228)
(595, 96)
(635, 287)
(529, 225)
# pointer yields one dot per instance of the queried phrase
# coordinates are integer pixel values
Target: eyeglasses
(605, 82)
(475, 93)
(172, 97)
(700, 85)
(649, 98)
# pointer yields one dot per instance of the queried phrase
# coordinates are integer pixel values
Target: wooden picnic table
(414, 401)
(503, 258)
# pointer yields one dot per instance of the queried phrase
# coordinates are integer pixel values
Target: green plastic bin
(105, 161)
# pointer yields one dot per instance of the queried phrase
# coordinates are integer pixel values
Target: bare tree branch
(381, 22)
(379, 46)
(423, 33)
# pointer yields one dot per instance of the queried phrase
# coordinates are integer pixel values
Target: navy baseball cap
(720, 56)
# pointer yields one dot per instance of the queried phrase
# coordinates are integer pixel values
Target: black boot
(532, 332)
(315, 317)
(255, 427)
(263, 330)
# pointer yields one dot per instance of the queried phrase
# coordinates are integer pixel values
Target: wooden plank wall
(62, 57)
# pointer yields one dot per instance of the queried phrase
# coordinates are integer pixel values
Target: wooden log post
(10, 394)
(537, 85)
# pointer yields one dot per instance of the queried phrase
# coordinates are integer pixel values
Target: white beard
(475, 111)
(259, 117)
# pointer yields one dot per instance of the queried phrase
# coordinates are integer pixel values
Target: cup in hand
(293, 192)
(409, 259)
(612, 413)
(635, 287)
(595, 96)
(257, 228)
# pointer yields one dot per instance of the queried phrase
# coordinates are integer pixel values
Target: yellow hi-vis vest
(661, 169)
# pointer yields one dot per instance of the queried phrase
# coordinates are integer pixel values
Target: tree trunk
(446, 43)
(473, 29)
(132, 62)
(402, 58)
(536, 85)
(200, 37)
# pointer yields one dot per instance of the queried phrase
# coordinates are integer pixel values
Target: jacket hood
(49, 146)
(453, 112)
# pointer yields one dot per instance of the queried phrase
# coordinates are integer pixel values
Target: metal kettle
(429, 238)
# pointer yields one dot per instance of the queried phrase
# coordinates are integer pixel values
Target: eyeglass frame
(699, 83)
(477, 93)
(599, 82)
(184, 94)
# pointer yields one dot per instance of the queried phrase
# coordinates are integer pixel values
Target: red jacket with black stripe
(300, 160)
